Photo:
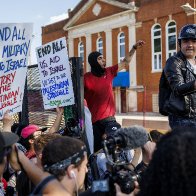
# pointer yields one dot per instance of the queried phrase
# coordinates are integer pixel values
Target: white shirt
(193, 66)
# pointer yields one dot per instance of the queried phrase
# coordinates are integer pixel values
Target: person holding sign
(99, 95)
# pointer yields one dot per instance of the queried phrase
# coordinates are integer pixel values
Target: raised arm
(125, 62)
(35, 174)
(57, 122)
(7, 121)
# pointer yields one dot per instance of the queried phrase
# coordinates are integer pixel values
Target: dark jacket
(181, 78)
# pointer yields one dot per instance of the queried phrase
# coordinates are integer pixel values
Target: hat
(111, 128)
(30, 129)
(7, 139)
(188, 32)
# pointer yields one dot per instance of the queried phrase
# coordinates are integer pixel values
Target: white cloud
(54, 19)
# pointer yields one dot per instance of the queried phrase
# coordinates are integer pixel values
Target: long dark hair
(172, 170)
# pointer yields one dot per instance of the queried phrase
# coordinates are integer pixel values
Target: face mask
(96, 69)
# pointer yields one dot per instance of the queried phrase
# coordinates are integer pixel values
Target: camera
(124, 177)
(71, 129)
(114, 162)
(117, 166)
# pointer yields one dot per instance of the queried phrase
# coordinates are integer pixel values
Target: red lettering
(4, 88)
(7, 79)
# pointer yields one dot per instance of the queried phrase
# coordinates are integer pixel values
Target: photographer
(113, 164)
(23, 184)
(67, 165)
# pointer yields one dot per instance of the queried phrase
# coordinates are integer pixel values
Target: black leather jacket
(181, 78)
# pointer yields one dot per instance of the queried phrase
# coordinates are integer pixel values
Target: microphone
(130, 138)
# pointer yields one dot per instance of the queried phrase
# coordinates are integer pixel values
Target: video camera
(117, 165)
(116, 148)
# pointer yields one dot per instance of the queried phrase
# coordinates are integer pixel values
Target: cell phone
(100, 185)
(21, 147)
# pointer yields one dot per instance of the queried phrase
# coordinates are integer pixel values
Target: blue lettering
(2, 66)
(5, 33)
(55, 94)
(13, 65)
(14, 35)
(17, 35)
(15, 50)
(55, 87)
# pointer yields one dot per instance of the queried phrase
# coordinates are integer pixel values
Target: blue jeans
(177, 121)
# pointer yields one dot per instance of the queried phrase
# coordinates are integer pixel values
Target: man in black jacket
(180, 72)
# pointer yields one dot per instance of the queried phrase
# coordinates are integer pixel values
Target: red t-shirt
(99, 95)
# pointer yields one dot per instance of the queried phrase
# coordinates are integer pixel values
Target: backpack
(164, 94)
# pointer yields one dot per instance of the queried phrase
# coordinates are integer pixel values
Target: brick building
(112, 27)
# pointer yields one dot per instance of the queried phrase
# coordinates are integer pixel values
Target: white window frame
(81, 50)
(100, 48)
(157, 54)
(167, 27)
(119, 46)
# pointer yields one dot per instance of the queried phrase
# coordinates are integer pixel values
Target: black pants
(108, 126)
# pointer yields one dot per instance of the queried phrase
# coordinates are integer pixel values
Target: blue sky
(38, 12)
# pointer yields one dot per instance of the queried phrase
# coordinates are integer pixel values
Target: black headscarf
(96, 69)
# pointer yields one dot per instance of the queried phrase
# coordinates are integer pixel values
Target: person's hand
(120, 193)
(133, 193)
(147, 151)
(104, 136)
(7, 121)
(59, 110)
(138, 44)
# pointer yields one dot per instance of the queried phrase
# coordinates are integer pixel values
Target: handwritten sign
(55, 74)
(15, 40)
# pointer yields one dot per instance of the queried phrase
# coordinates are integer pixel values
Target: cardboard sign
(15, 40)
(55, 74)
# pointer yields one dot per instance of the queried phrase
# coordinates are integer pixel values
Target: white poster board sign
(15, 40)
(55, 74)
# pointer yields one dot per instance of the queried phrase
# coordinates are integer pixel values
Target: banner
(15, 40)
(55, 74)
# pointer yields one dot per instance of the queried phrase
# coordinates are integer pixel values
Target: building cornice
(71, 22)
(126, 18)
(119, 4)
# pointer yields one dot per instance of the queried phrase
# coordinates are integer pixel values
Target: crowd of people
(40, 161)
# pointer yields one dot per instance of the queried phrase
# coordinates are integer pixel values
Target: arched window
(171, 39)
(121, 46)
(81, 50)
(100, 45)
(156, 48)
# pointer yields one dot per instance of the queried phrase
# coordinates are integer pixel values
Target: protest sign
(55, 74)
(15, 40)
